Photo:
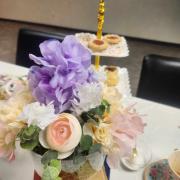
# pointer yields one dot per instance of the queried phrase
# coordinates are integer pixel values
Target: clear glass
(141, 156)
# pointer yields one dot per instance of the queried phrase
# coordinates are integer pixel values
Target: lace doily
(116, 50)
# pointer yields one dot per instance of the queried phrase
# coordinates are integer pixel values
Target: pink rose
(63, 135)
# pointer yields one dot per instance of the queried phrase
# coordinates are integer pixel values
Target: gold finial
(101, 12)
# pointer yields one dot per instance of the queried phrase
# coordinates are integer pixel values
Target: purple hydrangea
(63, 66)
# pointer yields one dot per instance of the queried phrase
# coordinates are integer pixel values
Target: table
(161, 134)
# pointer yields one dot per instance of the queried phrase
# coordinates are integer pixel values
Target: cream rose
(63, 135)
(101, 134)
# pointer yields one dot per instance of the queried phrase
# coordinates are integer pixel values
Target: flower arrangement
(67, 114)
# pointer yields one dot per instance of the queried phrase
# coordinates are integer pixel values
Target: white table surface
(161, 134)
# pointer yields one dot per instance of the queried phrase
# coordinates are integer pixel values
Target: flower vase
(84, 173)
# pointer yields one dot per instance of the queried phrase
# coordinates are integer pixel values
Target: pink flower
(7, 141)
(153, 172)
(126, 126)
(63, 135)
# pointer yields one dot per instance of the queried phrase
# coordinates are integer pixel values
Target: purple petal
(49, 47)
(73, 49)
(64, 66)
(54, 81)
(64, 107)
(40, 60)
(37, 93)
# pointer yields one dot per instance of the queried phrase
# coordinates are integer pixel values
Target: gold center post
(101, 12)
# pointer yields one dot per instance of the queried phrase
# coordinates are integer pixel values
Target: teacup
(174, 163)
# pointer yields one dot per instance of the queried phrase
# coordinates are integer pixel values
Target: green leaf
(50, 173)
(86, 142)
(56, 163)
(29, 137)
(78, 159)
(106, 104)
(48, 156)
(30, 132)
(95, 148)
(96, 113)
(39, 149)
(58, 178)
(100, 110)
(30, 145)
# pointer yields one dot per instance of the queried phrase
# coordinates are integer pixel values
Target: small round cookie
(97, 45)
(112, 38)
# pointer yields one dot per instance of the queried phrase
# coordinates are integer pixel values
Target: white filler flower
(89, 96)
(38, 114)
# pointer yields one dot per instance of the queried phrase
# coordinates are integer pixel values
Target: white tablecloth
(161, 135)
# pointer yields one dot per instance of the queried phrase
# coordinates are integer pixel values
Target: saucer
(159, 170)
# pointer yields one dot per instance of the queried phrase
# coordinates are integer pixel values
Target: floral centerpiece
(66, 116)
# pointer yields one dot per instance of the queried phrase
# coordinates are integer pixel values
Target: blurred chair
(28, 42)
(160, 80)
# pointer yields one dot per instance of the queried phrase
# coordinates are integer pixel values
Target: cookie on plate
(98, 45)
(112, 38)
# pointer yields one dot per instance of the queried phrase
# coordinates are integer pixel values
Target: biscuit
(112, 38)
(97, 45)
